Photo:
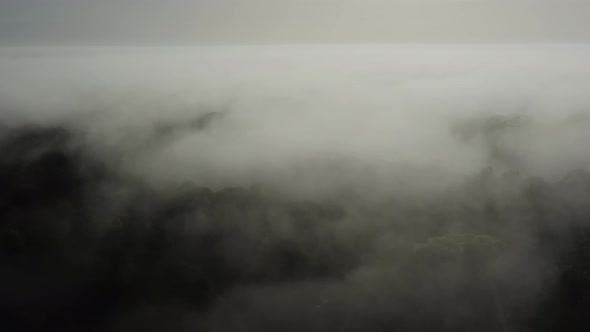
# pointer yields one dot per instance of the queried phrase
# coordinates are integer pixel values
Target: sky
(188, 22)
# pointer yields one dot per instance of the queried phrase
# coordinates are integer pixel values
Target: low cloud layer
(299, 188)
(283, 106)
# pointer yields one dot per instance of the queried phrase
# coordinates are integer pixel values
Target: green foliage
(82, 256)
(459, 247)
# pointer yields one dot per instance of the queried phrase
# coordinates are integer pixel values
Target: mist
(295, 188)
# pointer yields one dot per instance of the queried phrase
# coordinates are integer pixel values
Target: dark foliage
(82, 247)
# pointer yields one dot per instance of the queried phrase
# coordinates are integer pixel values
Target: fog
(377, 165)
(387, 108)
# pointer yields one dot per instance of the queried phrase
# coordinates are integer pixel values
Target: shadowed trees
(82, 245)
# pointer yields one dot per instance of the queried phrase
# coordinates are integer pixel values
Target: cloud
(356, 187)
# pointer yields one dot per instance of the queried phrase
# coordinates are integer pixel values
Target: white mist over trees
(336, 188)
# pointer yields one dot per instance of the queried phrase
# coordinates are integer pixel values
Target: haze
(294, 165)
(190, 22)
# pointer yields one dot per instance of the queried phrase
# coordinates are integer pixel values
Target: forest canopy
(86, 245)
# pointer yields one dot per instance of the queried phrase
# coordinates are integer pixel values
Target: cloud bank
(296, 188)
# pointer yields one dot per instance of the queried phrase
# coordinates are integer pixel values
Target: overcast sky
(174, 22)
